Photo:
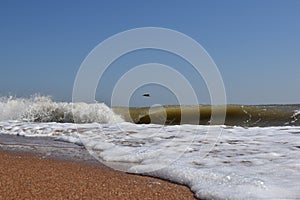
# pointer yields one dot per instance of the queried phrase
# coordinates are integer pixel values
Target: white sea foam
(295, 116)
(43, 109)
(246, 163)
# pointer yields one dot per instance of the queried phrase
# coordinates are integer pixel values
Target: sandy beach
(32, 176)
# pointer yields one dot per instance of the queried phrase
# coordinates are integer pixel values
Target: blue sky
(255, 44)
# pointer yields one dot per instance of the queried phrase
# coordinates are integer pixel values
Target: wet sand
(34, 176)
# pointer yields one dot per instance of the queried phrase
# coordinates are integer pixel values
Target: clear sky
(255, 44)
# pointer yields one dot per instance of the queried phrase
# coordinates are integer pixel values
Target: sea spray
(44, 109)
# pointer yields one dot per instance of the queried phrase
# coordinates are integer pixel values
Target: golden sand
(28, 176)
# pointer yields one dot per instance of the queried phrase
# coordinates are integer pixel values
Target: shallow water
(244, 163)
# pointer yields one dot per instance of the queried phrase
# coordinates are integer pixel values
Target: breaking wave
(236, 115)
(44, 109)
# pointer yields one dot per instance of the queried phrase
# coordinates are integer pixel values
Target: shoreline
(30, 168)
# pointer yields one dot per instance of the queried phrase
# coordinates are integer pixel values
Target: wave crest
(43, 109)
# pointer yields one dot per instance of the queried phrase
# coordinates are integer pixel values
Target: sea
(254, 154)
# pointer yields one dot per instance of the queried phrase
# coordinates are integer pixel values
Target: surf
(236, 115)
(44, 109)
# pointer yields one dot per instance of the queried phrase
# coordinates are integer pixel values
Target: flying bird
(146, 95)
